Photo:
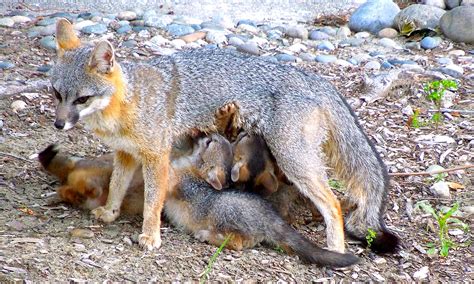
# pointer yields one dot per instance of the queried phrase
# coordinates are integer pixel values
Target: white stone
(18, 105)
(21, 19)
(80, 25)
(422, 273)
(440, 189)
(127, 15)
(249, 28)
(178, 43)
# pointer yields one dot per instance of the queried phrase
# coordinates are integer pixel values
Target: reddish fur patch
(125, 159)
(66, 37)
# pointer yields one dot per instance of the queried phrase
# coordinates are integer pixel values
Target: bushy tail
(56, 164)
(356, 162)
(287, 237)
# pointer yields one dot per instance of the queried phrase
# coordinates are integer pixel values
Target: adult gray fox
(139, 108)
(192, 204)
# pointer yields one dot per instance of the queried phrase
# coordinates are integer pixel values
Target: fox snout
(66, 117)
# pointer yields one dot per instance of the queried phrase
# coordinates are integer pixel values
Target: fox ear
(269, 181)
(235, 172)
(103, 57)
(213, 179)
(66, 38)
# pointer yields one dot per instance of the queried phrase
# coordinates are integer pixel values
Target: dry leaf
(455, 185)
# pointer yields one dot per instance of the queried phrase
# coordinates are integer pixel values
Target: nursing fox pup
(192, 204)
(139, 108)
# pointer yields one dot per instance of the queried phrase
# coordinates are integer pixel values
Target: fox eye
(57, 95)
(81, 100)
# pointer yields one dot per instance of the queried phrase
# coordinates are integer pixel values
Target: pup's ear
(102, 58)
(269, 181)
(66, 38)
(214, 179)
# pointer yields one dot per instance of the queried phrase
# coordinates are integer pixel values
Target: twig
(433, 172)
(19, 87)
(14, 156)
(453, 110)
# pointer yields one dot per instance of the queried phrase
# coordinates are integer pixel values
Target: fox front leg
(124, 169)
(156, 175)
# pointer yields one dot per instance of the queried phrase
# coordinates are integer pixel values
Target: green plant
(444, 220)
(335, 184)
(213, 258)
(435, 91)
(370, 237)
(279, 249)
(415, 120)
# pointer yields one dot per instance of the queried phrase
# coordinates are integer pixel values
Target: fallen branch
(453, 110)
(465, 167)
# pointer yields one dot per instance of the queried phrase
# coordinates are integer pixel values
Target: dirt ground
(36, 243)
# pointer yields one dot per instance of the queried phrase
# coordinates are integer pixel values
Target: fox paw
(226, 110)
(202, 235)
(105, 215)
(149, 242)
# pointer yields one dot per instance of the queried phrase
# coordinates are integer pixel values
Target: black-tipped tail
(311, 253)
(384, 242)
(47, 155)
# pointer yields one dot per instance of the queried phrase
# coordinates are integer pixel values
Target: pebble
(46, 22)
(47, 30)
(318, 35)
(246, 22)
(343, 32)
(440, 189)
(372, 16)
(386, 65)
(249, 28)
(259, 40)
(421, 274)
(80, 25)
(351, 42)
(157, 21)
(48, 42)
(325, 45)
(178, 30)
(298, 47)
(6, 65)
(324, 58)
(329, 30)
(139, 29)
(430, 42)
(362, 35)
(95, 29)
(142, 33)
(360, 57)
(82, 233)
(444, 61)
(388, 33)
(18, 105)
(342, 62)
(178, 43)
(44, 68)
(453, 70)
(297, 32)
(129, 43)
(274, 34)
(124, 29)
(389, 43)
(79, 247)
(20, 19)
(127, 15)
(7, 22)
(307, 57)
(412, 45)
(249, 47)
(372, 65)
(283, 57)
(457, 52)
(216, 37)
(194, 36)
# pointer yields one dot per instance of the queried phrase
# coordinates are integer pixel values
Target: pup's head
(253, 165)
(84, 78)
(213, 159)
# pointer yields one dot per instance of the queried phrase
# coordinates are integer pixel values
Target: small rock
(124, 29)
(18, 105)
(440, 189)
(457, 52)
(343, 32)
(48, 42)
(451, 4)
(194, 36)
(178, 43)
(421, 274)
(351, 42)
(159, 40)
(216, 37)
(283, 57)
(447, 99)
(142, 33)
(456, 232)
(436, 3)
(48, 30)
(127, 15)
(423, 16)
(372, 65)
(435, 139)
(249, 28)
(307, 57)
(408, 110)
(318, 35)
(20, 19)
(6, 65)
(362, 35)
(246, 22)
(445, 61)
(430, 42)
(178, 30)
(387, 42)
(80, 25)
(235, 41)
(46, 22)
(412, 45)
(453, 70)
(398, 62)
(388, 33)
(342, 62)
(297, 32)
(298, 47)
(249, 47)
(386, 65)
(129, 43)
(44, 68)
(373, 15)
(265, 261)
(323, 58)
(380, 260)
(157, 21)
(457, 24)
(274, 34)
(7, 22)
(95, 29)
(329, 30)
(325, 45)
(82, 233)
(79, 247)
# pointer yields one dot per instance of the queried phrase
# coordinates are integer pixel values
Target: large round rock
(458, 24)
(423, 16)
(373, 16)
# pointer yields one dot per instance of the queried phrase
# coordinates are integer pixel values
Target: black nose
(59, 124)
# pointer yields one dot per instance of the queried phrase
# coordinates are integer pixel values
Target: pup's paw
(104, 214)
(149, 242)
(202, 235)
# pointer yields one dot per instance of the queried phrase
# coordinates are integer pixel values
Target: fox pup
(192, 204)
(139, 108)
